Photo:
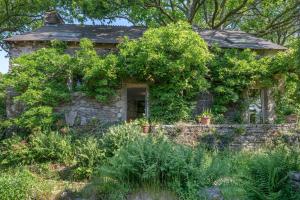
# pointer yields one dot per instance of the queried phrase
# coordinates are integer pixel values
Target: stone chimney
(53, 18)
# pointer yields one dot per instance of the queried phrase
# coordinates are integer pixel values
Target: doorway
(255, 106)
(136, 103)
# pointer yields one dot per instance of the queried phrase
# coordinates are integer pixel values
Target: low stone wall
(239, 136)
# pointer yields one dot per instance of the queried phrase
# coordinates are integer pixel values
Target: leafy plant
(143, 121)
(232, 72)
(99, 75)
(39, 82)
(14, 151)
(155, 160)
(118, 136)
(51, 146)
(172, 59)
(21, 184)
(206, 113)
(88, 155)
(267, 176)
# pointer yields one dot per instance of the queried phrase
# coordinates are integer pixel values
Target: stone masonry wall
(233, 136)
(82, 110)
(18, 49)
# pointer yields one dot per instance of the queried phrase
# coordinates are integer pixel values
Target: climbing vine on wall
(232, 73)
(46, 78)
(173, 60)
(286, 65)
(98, 75)
(40, 80)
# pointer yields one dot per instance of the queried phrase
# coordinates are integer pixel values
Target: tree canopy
(277, 20)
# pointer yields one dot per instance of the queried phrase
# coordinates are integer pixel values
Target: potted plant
(205, 117)
(145, 125)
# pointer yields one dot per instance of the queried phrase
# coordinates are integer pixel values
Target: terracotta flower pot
(205, 120)
(146, 128)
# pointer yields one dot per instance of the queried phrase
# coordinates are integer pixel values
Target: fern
(267, 177)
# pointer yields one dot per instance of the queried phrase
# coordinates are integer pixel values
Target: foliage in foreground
(157, 162)
(123, 160)
(267, 175)
(83, 153)
(21, 184)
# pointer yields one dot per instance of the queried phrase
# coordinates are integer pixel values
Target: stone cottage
(132, 101)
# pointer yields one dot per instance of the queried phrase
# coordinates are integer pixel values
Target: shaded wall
(235, 136)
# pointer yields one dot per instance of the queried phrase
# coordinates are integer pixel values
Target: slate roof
(112, 34)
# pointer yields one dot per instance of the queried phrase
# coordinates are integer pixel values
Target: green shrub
(152, 160)
(119, 136)
(174, 59)
(21, 184)
(155, 160)
(51, 146)
(88, 155)
(267, 176)
(14, 151)
(39, 147)
(38, 117)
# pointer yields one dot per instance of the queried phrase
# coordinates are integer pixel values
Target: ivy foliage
(46, 78)
(286, 66)
(173, 60)
(99, 75)
(40, 80)
(232, 73)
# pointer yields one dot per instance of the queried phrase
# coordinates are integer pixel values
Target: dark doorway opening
(136, 103)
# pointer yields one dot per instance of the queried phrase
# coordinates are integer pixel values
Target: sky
(4, 60)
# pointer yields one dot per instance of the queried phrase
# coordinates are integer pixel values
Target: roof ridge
(103, 25)
(107, 33)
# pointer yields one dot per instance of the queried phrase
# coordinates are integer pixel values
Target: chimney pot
(53, 18)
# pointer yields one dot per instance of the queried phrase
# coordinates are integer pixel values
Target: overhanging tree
(277, 20)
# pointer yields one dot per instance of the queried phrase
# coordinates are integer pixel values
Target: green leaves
(42, 80)
(100, 76)
(172, 59)
(232, 72)
(286, 72)
(267, 175)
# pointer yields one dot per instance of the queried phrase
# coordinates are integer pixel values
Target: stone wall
(21, 48)
(83, 110)
(233, 136)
